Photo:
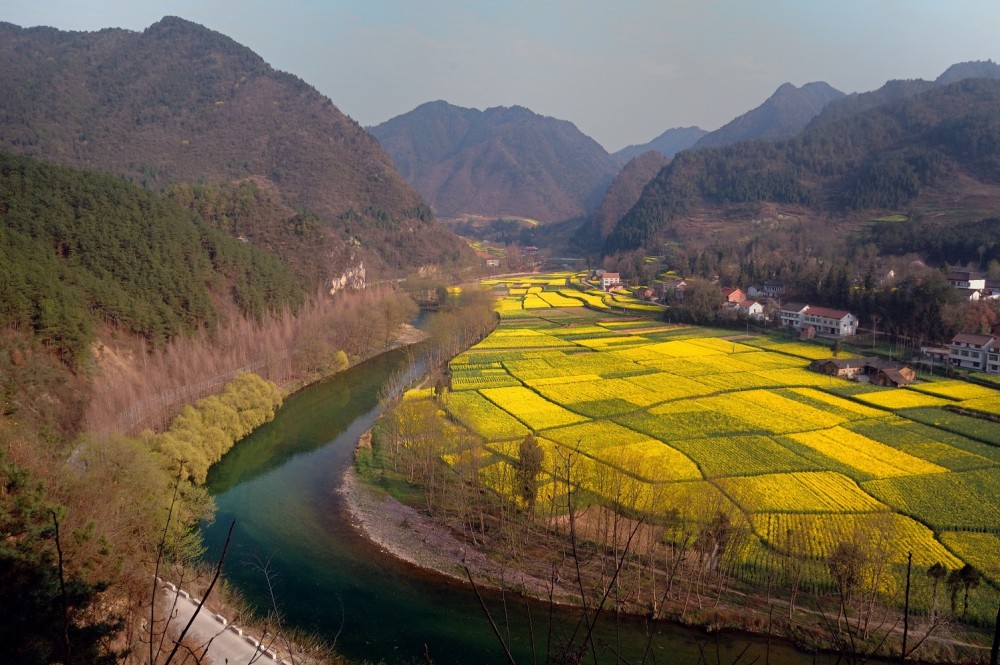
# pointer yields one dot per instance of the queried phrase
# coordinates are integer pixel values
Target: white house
(826, 321)
(966, 279)
(791, 314)
(610, 279)
(977, 352)
(752, 309)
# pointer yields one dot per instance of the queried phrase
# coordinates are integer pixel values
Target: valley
(627, 401)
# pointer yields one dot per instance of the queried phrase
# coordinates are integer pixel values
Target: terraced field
(697, 417)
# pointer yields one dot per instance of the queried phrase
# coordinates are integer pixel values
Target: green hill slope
(80, 249)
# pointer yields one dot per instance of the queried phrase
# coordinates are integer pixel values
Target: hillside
(181, 103)
(80, 250)
(624, 191)
(501, 161)
(669, 143)
(935, 154)
(783, 115)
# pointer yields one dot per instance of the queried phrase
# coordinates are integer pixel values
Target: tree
(970, 579)
(46, 614)
(936, 572)
(954, 581)
(530, 456)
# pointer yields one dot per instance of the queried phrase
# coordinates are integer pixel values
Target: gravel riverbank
(413, 537)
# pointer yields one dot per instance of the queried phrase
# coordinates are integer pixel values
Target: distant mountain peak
(783, 115)
(967, 70)
(504, 160)
(668, 144)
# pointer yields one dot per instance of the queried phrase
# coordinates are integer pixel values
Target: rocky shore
(414, 537)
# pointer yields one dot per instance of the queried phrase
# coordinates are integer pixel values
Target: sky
(623, 71)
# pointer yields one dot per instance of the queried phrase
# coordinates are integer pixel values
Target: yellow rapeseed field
(656, 418)
(866, 455)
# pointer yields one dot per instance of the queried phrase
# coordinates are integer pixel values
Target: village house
(822, 320)
(748, 308)
(992, 289)
(610, 280)
(874, 370)
(672, 290)
(767, 290)
(976, 352)
(891, 377)
(791, 315)
(967, 279)
(734, 295)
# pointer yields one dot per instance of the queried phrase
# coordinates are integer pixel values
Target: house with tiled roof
(836, 322)
(733, 294)
(823, 320)
(610, 280)
(976, 352)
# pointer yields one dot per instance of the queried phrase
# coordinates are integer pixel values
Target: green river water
(279, 484)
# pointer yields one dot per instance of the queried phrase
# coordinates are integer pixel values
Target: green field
(782, 448)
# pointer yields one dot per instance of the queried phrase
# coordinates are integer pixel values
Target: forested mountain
(783, 115)
(181, 103)
(501, 161)
(79, 249)
(976, 69)
(935, 154)
(669, 143)
(623, 192)
(901, 89)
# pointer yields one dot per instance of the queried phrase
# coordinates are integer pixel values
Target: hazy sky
(622, 70)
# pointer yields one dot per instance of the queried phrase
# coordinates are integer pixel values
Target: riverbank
(411, 536)
(418, 539)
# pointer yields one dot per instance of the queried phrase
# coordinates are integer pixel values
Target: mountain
(856, 103)
(182, 103)
(902, 89)
(783, 115)
(624, 191)
(976, 69)
(669, 143)
(504, 161)
(936, 154)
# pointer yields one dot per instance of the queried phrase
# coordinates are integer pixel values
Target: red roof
(827, 313)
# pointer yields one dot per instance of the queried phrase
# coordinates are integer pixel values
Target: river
(279, 484)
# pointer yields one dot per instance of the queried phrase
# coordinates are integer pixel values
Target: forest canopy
(79, 248)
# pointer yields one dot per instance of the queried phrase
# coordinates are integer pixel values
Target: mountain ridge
(931, 152)
(668, 144)
(498, 161)
(782, 115)
(179, 102)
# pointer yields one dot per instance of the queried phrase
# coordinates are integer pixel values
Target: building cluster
(974, 286)
(877, 371)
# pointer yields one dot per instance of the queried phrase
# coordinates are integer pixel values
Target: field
(740, 423)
